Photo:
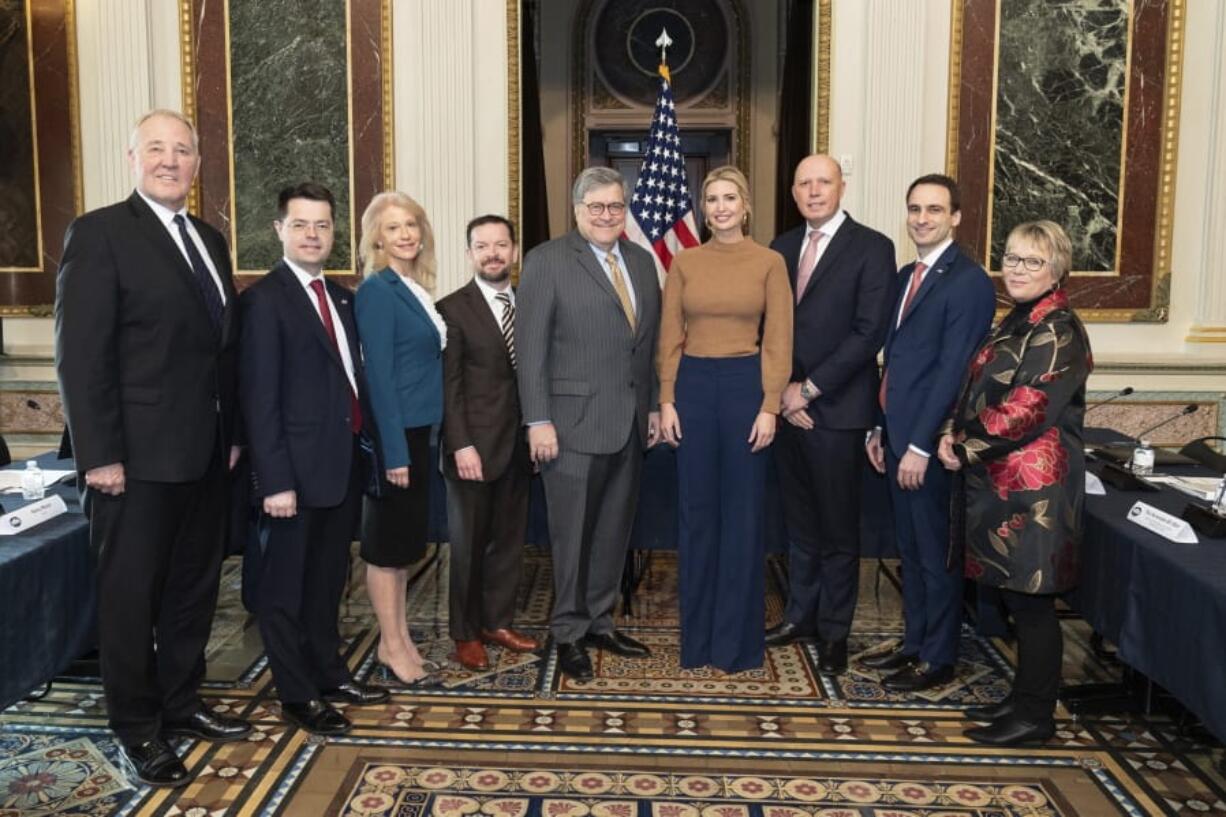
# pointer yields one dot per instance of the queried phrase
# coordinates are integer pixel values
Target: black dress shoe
(895, 659)
(317, 717)
(1011, 731)
(918, 677)
(617, 643)
(574, 662)
(992, 712)
(155, 764)
(832, 657)
(208, 726)
(356, 694)
(785, 633)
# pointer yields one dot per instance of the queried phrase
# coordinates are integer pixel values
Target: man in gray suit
(589, 312)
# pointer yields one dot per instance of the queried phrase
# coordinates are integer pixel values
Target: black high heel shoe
(430, 680)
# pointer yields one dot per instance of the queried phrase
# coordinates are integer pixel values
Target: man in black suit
(146, 327)
(302, 393)
(485, 455)
(844, 284)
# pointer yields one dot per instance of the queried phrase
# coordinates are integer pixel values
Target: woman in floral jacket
(1016, 435)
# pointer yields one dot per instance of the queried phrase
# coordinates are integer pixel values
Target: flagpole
(661, 217)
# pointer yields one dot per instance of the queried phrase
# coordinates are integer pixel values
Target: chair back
(1202, 452)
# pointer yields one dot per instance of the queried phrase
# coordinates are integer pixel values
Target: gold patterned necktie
(619, 285)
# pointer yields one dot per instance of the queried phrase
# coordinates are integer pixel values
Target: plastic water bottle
(32, 484)
(1143, 460)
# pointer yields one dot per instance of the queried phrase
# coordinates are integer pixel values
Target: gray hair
(594, 177)
(134, 139)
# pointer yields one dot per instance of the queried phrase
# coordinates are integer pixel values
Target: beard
(495, 277)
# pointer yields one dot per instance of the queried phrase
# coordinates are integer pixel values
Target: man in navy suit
(844, 283)
(944, 308)
(301, 389)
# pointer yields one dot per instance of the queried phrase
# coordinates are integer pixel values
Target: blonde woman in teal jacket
(402, 345)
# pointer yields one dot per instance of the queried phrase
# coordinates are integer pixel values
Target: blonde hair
(728, 173)
(1049, 237)
(373, 257)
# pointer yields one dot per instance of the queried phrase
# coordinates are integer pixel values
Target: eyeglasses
(598, 208)
(300, 227)
(1031, 263)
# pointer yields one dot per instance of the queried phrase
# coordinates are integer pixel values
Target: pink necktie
(807, 262)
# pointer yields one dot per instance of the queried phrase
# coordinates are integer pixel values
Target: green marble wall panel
(18, 198)
(1060, 122)
(290, 108)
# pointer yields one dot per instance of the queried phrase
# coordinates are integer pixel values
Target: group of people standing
(173, 384)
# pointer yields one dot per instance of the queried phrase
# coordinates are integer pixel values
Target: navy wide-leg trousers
(722, 486)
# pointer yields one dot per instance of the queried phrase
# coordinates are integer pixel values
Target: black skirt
(394, 528)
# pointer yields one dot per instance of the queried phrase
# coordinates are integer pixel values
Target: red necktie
(917, 279)
(355, 408)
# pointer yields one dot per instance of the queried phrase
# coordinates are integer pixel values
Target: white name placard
(1162, 523)
(33, 514)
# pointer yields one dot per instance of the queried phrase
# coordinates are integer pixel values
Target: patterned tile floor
(642, 739)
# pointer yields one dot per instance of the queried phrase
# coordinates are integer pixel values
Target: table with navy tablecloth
(1161, 603)
(47, 594)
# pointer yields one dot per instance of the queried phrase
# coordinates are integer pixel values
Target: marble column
(127, 63)
(888, 100)
(115, 89)
(1207, 334)
(450, 104)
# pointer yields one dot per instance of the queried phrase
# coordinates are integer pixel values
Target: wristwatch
(807, 390)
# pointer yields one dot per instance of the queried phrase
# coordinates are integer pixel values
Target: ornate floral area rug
(643, 739)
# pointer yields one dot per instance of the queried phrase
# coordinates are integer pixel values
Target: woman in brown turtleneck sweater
(724, 359)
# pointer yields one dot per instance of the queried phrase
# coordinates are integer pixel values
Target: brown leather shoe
(471, 655)
(513, 641)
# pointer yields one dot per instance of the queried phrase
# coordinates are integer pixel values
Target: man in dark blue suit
(944, 308)
(844, 282)
(301, 389)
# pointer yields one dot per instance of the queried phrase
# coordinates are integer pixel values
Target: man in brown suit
(485, 459)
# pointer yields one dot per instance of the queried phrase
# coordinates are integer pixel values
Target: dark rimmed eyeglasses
(1030, 262)
(598, 208)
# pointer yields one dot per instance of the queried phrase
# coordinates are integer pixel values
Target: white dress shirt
(167, 217)
(342, 339)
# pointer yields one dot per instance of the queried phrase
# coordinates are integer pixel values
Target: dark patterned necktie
(508, 324)
(325, 315)
(204, 279)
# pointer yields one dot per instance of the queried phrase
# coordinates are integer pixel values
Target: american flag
(662, 214)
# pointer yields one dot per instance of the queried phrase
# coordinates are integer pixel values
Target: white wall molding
(1208, 334)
